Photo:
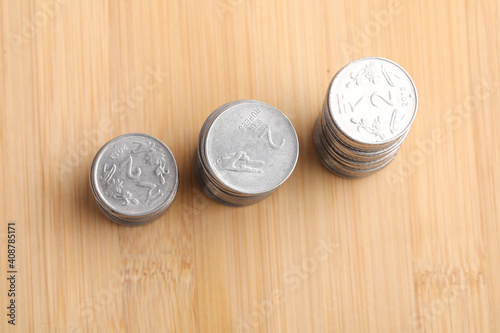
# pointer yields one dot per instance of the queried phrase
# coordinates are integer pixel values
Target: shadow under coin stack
(246, 150)
(368, 111)
(134, 179)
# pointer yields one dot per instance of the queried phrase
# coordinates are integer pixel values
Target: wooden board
(413, 248)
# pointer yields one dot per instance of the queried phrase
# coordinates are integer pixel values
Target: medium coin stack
(368, 111)
(246, 150)
(134, 179)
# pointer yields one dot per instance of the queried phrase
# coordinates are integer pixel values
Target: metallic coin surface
(252, 147)
(134, 178)
(369, 108)
(372, 100)
(246, 150)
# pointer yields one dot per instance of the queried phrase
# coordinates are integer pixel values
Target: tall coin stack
(134, 179)
(246, 150)
(368, 111)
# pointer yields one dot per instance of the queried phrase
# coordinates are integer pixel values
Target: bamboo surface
(412, 248)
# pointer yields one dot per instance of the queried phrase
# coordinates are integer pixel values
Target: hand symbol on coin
(240, 162)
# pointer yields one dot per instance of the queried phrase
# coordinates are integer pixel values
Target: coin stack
(368, 111)
(134, 179)
(246, 150)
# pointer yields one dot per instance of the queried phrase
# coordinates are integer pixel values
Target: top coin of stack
(368, 111)
(246, 150)
(134, 178)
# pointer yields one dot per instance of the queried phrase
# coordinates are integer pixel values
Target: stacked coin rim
(131, 219)
(346, 156)
(206, 176)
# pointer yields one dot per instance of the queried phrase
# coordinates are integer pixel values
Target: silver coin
(134, 178)
(354, 153)
(260, 150)
(368, 111)
(246, 150)
(372, 101)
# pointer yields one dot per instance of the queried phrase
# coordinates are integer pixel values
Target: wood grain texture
(413, 248)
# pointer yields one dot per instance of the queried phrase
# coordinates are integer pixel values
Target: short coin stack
(368, 111)
(134, 179)
(246, 150)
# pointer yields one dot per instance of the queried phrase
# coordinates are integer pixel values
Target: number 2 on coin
(130, 161)
(267, 131)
